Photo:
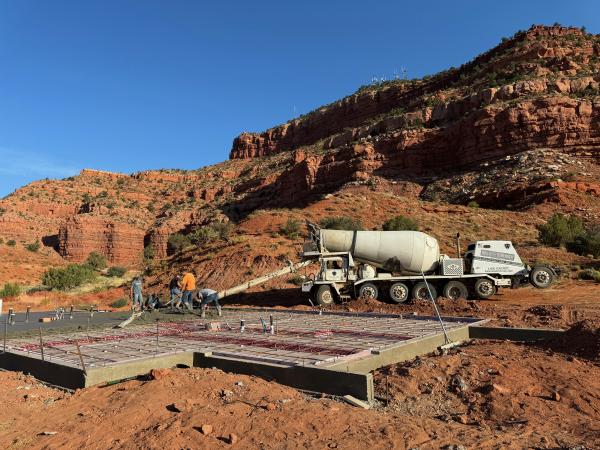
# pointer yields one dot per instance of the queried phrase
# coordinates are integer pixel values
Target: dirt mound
(582, 339)
(527, 397)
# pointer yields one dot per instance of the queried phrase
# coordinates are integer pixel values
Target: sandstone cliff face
(545, 56)
(118, 242)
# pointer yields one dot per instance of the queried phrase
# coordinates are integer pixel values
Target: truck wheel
(455, 290)
(368, 290)
(484, 288)
(541, 277)
(399, 292)
(421, 292)
(324, 295)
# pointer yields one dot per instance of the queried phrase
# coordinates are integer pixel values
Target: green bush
(96, 261)
(10, 290)
(291, 228)
(473, 204)
(11, 242)
(203, 235)
(400, 223)
(210, 233)
(177, 242)
(560, 230)
(33, 246)
(586, 244)
(340, 223)
(116, 271)
(119, 303)
(149, 252)
(589, 274)
(73, 275)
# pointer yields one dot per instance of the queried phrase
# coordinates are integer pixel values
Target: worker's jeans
(211, 298)
(138, 299)
(175, 295)
(188, 297)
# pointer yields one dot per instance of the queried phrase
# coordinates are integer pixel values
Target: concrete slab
(327, 352)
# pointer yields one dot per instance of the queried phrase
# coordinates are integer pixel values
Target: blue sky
(129, 85)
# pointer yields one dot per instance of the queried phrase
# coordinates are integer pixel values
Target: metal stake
(156, 351)
(41, 344)
(437, 312)
(80, 357)
(5, 331)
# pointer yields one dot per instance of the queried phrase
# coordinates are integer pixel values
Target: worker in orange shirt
(188, 286)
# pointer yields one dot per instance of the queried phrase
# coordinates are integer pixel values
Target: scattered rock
(47, 433)
(233, 439)
(270, 407)
(206, 429)
(457, 384)
(226, 393)
(555, 396)
(158, 374)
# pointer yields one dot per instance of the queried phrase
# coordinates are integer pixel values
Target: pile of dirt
(582, 339)
(524, 395)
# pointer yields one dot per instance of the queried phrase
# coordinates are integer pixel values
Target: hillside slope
(515, 129)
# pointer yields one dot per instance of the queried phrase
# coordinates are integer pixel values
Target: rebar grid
(298, 339)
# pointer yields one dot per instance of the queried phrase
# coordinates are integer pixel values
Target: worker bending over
(207, 296)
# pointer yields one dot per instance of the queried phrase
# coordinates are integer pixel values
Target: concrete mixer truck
(408, 264)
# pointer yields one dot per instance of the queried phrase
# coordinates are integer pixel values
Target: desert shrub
(73, 275)
(119, 303)
(33, 246)
(149, 252)
(210, 233)
(10, 290)
(589, 274)
(473, 204)
(96, 261)
(341, 223)
(400, 223)
(560, 230)
(116, 271)
(177, 242)
(587, 243)
(11, 242)
(203, 235)
(291, 228)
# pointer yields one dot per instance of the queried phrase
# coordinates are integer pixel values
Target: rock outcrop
(120, 243)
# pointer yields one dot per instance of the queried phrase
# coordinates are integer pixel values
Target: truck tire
(325, 296)
(368, 290)
(455, 290)
(399, 292)
(541, 277)
(484, 288)
(420, 291)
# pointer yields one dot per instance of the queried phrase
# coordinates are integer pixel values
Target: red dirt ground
(480, 396)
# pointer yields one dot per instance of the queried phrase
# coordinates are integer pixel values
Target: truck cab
(494, 257)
